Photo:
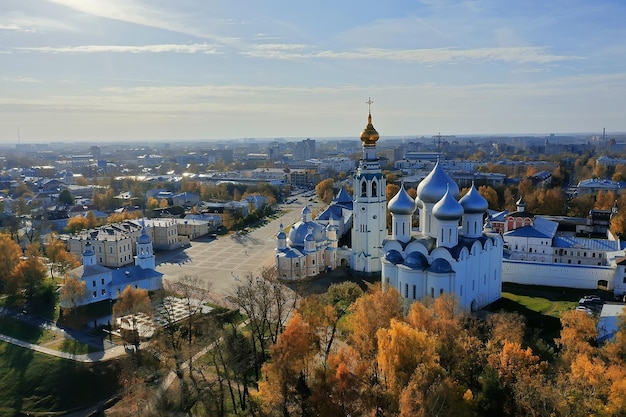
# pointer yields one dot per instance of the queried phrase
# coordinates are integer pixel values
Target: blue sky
(113, 70)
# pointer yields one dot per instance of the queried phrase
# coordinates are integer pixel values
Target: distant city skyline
(116, 70)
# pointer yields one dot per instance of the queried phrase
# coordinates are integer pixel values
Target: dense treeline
(23, 275)
(346, 352)
(436, 360)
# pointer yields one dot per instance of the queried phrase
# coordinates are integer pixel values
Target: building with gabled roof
(540, 254)
(102, 283)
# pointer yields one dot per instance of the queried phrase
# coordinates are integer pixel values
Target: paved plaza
(222, 261)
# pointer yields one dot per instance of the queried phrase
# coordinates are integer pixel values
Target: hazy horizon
(484, 136)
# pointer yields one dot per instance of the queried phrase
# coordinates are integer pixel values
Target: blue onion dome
(281, 234)
(402, 203)
(473, 202)
(416, 260)
(301, 229)
(448, 208)
(520, 202)
(394, 257)
(434, 186)
(419, 203)
(440, 266)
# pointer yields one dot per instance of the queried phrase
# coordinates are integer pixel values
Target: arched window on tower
(363, 189)
(374, 189)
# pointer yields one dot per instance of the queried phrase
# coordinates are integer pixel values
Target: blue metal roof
(440, 266)
(129, 274)
(343, 196)
(333, 210)
(527, 231)
(585, 243)
(416, 260)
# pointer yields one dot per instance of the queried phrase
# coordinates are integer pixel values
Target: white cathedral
(449, 253)
(442, 257)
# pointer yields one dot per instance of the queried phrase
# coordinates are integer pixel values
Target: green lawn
(36, 384)
(536, 304)
(19, 330)
(36, 335)
(541, 306)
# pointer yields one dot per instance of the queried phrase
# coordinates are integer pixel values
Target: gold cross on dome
(369, 104)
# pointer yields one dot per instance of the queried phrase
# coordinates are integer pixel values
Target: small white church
(312, 245)
(102, 283)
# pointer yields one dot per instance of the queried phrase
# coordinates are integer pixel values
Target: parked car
(590, 300)
(585, 309)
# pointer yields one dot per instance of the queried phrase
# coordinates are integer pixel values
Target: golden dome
(369, 135)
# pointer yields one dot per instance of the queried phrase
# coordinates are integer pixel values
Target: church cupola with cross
(145, 258)
(369, 205)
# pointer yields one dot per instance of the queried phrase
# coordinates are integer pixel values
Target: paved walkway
(89, 357)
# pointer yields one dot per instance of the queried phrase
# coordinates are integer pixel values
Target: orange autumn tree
(325, 190)
(131, 303)
(31, 272)
(72, 294)
(431, 393)
(578, 334)
(401, 349)
(346, 385)
(10, 253)
(284, 384)
(324, 311)
(372, 311)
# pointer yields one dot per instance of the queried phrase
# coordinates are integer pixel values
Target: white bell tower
(369, 206)
(145, 256)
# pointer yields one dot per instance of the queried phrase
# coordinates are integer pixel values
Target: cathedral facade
(441, 256)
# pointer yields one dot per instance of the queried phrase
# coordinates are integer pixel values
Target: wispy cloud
(196, 48)
(286, 51)
(20, 80)
(10, 26)
(133, 11)
(518, 55)
(33, 24)
(200, 98)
